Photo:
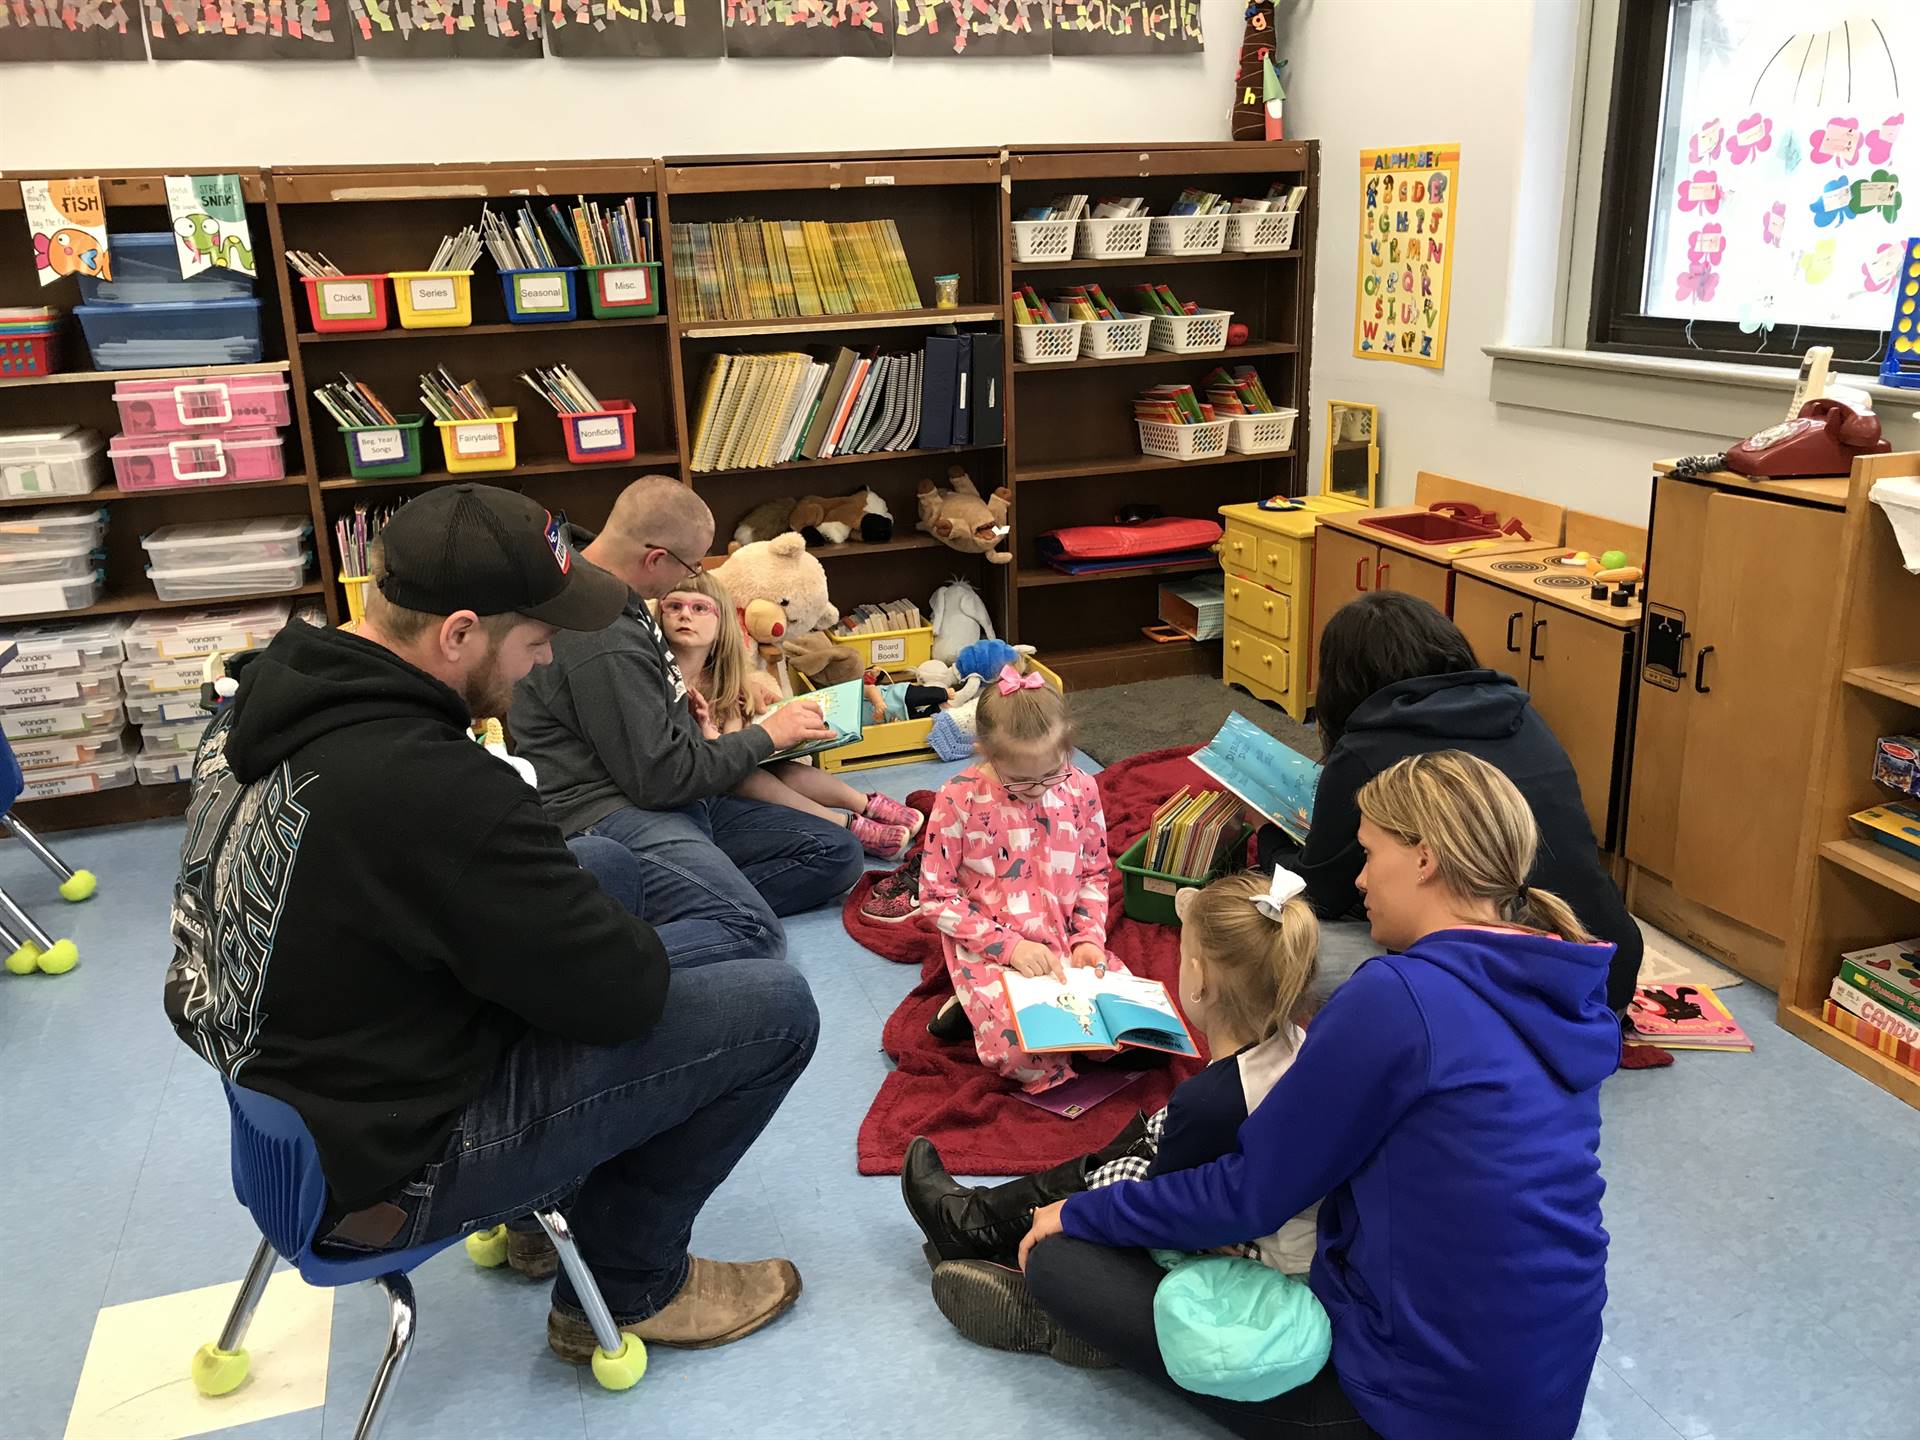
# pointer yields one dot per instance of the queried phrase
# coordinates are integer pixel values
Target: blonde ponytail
(1259, 970)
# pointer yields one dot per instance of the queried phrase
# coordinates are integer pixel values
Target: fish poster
(642, 29)
(798, 29)
(209, 215)
(1127, 27)
(1407, 199)
(68, 223)
(445, 29)
(247, 30)
(972, 29)
(32, 30)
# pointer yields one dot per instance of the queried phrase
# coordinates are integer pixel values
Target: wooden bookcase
(1850, 893)
(1074, 452)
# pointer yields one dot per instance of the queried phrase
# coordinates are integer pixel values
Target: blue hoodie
(1447, 1105)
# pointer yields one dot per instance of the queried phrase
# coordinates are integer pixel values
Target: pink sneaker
(883, 842)
(889, 811)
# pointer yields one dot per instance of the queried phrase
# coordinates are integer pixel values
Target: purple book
(1080, 1094)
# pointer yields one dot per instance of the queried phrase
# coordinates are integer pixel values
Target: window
(1752, 203)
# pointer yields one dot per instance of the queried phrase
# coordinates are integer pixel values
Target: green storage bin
(1149, 894)
(384, 452)
(617, 292)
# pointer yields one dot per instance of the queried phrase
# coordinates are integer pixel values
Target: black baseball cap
(480, 548)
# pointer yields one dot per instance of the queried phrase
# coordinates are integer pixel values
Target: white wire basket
(1051, 344)
(1120, 237)
(1194, 334)
(1044, 240)
(1261, 434)
(1258, 233)
(1187, 234)
(1182, 442)
(1115, 339)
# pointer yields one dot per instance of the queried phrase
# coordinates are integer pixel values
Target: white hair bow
(1285, 886)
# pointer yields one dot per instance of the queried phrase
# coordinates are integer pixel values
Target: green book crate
(1150, 894)
(617, 291)
(383, 452)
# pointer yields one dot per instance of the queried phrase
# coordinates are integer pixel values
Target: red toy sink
(1426, 527)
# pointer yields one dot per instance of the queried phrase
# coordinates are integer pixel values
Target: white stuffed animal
(959, 618)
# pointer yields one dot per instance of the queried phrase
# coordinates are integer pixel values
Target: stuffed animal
(986, 658)
(765, 624)
(938, 672)
(781, 572)
(824, 663)
(959, 519)
(834, 520)
(889, 701)
(762, 522)
(959, 618)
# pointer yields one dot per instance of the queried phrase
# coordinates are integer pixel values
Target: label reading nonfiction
(598, 434)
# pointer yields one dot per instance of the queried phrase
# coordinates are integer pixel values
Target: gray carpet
(1123, 720)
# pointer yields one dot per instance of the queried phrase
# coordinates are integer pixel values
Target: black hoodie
(1486, 714)
(371, 910)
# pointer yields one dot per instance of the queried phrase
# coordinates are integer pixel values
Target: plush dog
(762, 522)
(958, 518)
(834, 520)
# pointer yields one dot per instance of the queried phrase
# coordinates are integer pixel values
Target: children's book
(1684, 1017)
(842, 707)
(1273, 778)
(1088, 1011)
(1079, 1095)
(1889, 973)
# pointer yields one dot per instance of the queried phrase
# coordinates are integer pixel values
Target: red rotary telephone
(1822, 440)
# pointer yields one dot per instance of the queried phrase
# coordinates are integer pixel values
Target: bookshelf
(1073, 451)
(1850, 893)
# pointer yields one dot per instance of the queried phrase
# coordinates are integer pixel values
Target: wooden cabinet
(1495, 622)
(1268, 559)
(1342, 568)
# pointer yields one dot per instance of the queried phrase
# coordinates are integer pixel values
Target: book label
(45, 660)
(49, 724)
(434, 293)
(45, 692)
(379, 447)
(879, 179)
(186, 643)
(69, 785)
(891, 651)
(346, 299)
(53, 752)
(476, 440)
(600, 433)
(626, 287)
(32, 479)
(541, 294)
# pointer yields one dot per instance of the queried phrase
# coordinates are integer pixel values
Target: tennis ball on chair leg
(79, 886)
(25, 960)
(61, 958)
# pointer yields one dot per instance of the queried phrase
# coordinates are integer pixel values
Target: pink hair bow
(1011, 680)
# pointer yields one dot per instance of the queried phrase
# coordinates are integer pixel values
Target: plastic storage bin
(1261, 434)
(62, 461)
(1195, 334)
(1115, 339)
(474, 446)
(81, 687)
(146, 271)
(1182, 442)
(38, 597)
(75, 560)
(184, 634)
(164, 709)
(67, 645)
(1150, 895)
(380, 452)
(35, 353)
(1187, 234)
(890, 649)
(63, 751)
(144, 337)
(181, 738)
(341, 304)
(106, 718)
(433, 299)
(1114, 238)
(153, 407)
(163, 677)
(539, 297)
(26, 533)
(616, 292)
(79, 779)
(1260, 232)
(1035, 240)
(228, 542)
(160, 768)
(162, 462)
(600, 434)
(1055, 343)
(223, 582)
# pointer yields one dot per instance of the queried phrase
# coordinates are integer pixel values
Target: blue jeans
(717, 873)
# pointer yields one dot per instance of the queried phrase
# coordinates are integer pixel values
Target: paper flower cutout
(1757, 314)
(1696, 283)
(1706, 246)
(1838, 140)
(1817, 264)
(1703, 190)
(1790, 153)
(1751, 136)
(1834, 204)
(1773, 224)
(1881, 268)
(1880, 192)
(1880, 140)
(1705, 144)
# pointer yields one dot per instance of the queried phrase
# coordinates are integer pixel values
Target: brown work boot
(722, 1301)
(531, 1253)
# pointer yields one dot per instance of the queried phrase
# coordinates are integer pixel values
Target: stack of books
(1684, 1017)
(1194, 201)
(1076, 302)
(1280, 200)
(1189, 831)
(879, 619)
(1159, 300)
(1238, 392)
(765, 269)
(1171, 405)
(1876, 999)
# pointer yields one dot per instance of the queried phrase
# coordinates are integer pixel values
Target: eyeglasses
(694, 608)
(1030, 788)
(690, 569)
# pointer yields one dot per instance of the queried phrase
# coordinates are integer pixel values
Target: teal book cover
(1090, 1010)
(1273, 778)
(843, 707)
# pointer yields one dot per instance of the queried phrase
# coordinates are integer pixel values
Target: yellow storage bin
(904, 742)
(891, 649)
(356, 587)
(475, 446)
(433, 299)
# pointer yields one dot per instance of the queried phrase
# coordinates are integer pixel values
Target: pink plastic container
(164, 462)
(232, 402)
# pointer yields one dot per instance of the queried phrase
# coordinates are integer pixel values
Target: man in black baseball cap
(376, 923)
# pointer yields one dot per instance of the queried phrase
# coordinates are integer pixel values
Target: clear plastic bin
(163, 769)
(161, 462)
(151, 337)
(181, 738)
(79, 779)
(52, 462)
(75, 560)
(72, 750)
(146, 710)
(158, 407)
(146, 271)
(106, 718)
(190, 634)
(38, 597)
(26, 533)
(78, 687)
(163, 677)
(56, 646)
(223, 582)
(228, 542)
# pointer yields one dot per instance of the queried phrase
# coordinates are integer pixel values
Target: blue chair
(28, 947)
(276, 1175)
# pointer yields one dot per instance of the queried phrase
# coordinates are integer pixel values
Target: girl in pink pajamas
(1016, 866)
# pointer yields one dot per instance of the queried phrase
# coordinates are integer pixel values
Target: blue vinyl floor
(1762, 1266)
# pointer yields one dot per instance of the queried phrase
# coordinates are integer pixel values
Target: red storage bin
(600, 434)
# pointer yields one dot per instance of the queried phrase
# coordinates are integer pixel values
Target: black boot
(988, 1222)
(991, 1306)
(950, 1022)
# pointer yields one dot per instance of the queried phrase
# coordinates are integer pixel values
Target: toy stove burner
(1563, 582)
(1517, 567)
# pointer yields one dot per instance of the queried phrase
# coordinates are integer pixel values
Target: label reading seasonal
(347, 299)
(435, 293)
(471, 440)
(540, 292)
(379, 447)
(626, 287)
(601, 433)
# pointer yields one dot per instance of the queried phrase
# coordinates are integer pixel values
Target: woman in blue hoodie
(1446, 1103)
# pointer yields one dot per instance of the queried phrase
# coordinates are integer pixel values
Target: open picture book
(844, 708)
(1270, 777)
(1090, 1011)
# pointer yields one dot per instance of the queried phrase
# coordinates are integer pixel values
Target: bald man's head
(658, 528)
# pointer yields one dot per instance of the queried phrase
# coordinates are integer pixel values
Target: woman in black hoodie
(1397, 678)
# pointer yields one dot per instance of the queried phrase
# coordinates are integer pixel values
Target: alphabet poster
(1407, 200)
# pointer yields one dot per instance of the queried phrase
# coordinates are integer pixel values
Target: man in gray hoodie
(619, 753)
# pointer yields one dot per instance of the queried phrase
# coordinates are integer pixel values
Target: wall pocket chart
(1405, 274)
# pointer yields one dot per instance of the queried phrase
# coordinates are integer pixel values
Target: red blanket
(940, 1091)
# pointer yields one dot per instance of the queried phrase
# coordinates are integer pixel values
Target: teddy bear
(763, 522)
(782, 572)
(824, 663)
(958, 518)
(834, 520)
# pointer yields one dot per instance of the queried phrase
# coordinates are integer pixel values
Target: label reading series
(436, 293)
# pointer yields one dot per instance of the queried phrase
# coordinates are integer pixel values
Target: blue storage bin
(146, 271)
(150, 337)
(539, 297)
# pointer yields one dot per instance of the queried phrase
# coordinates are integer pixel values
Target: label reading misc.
(434, 293)
(347, 299)
(600, 433)
(891, 651)
(379, 447)
(478, 440)
(540, 292)
(41, 692)
(626, 287)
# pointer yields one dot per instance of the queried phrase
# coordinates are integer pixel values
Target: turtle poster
(1407, 200)
(647, 29)
(209, 215)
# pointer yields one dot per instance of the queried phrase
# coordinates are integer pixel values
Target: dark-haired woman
(1397, 678)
